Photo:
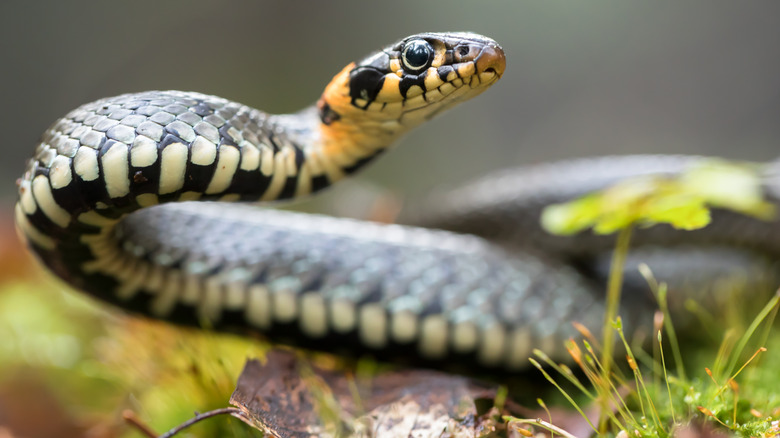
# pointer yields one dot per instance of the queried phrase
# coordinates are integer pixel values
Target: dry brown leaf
(419, 403)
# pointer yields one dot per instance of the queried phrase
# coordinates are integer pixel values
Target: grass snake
(106, 203)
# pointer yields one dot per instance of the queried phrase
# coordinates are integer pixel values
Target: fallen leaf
(288, 399)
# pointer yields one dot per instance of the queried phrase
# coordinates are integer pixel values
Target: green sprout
(682, 201)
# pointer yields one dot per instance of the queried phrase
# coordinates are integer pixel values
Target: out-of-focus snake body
(96, 204)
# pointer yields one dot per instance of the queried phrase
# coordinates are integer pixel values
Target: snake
(161, 203)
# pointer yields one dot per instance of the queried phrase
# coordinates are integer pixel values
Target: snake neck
(333, 148)
(338, 135)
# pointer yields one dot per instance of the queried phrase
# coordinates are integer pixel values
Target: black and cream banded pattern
(106, 204)
(320, 282)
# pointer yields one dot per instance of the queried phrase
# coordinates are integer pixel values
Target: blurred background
(583, 78)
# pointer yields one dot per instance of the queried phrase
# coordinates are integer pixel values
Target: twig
(130, 418)
(133, 420)
(235, 412)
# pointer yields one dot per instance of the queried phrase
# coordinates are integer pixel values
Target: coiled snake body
(95, 205)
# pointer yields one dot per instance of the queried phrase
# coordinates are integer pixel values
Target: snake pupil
(417, 54)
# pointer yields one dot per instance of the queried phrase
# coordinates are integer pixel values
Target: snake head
(410, 81)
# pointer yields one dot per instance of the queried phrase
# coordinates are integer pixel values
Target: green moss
(99, 363)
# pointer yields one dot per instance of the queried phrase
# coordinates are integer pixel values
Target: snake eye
(417, 55)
